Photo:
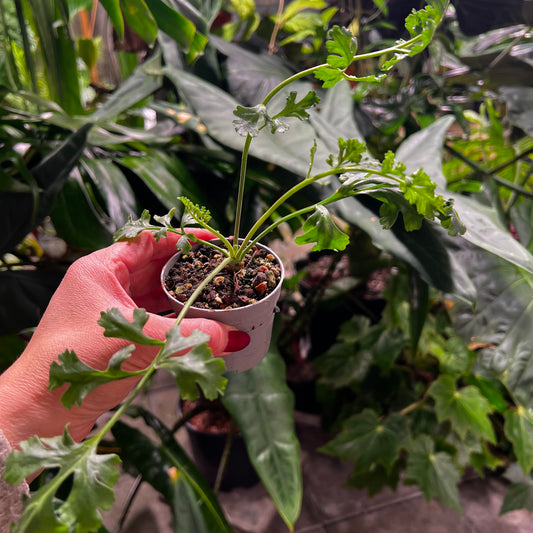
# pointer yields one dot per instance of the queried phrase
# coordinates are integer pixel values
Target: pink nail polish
(237, 340)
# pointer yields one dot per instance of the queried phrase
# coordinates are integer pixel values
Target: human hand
(125, 275)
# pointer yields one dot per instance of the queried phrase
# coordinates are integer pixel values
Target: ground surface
(328, 507)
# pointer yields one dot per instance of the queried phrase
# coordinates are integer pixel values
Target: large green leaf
(140, 19)
(262, 406)
(153, 171)
(519, 493)
(424, 149)
(112, 185)
(367, 440)
(144, 81)
(18, 215)
(466, 408)
(114, 13)
(167, 468)
(501, 321)
(434, 472)
(519, 430)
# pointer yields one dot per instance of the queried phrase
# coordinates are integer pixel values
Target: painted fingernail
(237, 340)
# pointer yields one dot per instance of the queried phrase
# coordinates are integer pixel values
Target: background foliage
(105, 113)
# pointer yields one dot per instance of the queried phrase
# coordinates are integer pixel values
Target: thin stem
(277, 26)
(224, 459)
(412, 407)
(240, 193)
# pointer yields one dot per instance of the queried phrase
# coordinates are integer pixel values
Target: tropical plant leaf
(262, 406)
(466, 409)
(434, 472)
(169, 470)
(140, 19)
(114, 13)
(92, 488)
(82, 378)
(519, 494)
(367, 440)
(519, 430)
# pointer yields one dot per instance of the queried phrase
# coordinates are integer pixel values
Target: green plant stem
(240, 192)
(224, 459)
(412, 407)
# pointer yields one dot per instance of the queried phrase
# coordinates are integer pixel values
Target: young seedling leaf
(133, 227)
(115, 324)
(519, 430)
(92, 488)
(350, 151)
(194, 213)
(197, 367)
(82, 378)
(366, 439)
(342, 46)
(320, 228)
(250, 119)
(466, 409)
(298, 108)
(434, 472)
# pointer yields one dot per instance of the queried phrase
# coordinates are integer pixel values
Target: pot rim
(170, 263)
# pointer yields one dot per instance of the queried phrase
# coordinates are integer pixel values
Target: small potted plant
(237, 280)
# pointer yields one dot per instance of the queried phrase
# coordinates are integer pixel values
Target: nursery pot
(207, 449)
(256, 319)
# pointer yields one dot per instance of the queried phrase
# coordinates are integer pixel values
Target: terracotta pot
(255, 319)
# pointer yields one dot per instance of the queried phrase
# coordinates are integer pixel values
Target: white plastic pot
(255, 319)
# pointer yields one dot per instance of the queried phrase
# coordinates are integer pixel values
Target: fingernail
(237, 340)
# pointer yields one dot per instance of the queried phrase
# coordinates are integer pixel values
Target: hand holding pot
(125, 276)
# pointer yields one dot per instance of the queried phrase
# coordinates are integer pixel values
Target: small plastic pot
(255, 319)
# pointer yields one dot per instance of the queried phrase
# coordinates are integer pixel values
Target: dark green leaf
(262, 406)
(375, 478)
(140, 19)
(92, 488)
(434, 472)
(168, 469)
(115, 324)
(366, 439)
(519, 494)
(320, 228)
(519, 430)
(82, 378)
(114, 13)
(173, 23)
(466, 408)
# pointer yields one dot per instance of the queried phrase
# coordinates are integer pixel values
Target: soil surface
(258, 277)
(214, 419)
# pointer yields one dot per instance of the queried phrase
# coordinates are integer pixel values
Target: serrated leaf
(518, 429)
(365, 440)
(116, 325)
(250, 121)
(197, 367)
(342, 46)
(82, 378)
(92, 488)
(466, 409)
(298, 109)
(133, 227)
(434, 472)
(519, 494)
(320, 228)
